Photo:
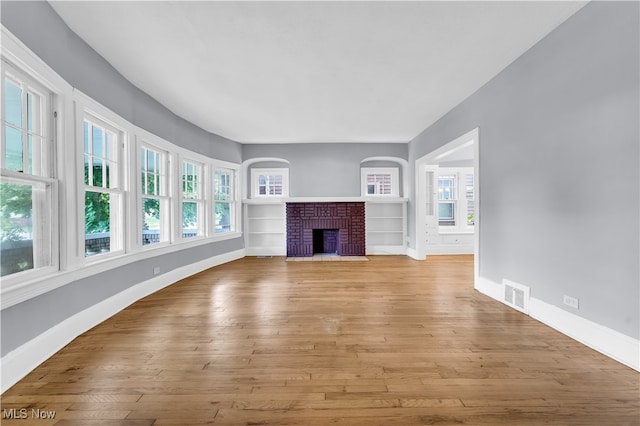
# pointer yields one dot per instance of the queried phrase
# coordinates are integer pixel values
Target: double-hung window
(456, 196)
(28, 190)
(154, 195)
(192, 199)
(103, 187)
(447, 196)
(224, 200)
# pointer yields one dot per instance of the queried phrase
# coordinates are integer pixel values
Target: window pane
(151, 185)
(379, 184)
(222, 188)
(86, 137)
(87, 165)
(223, 217)
(108, 140)
(16, 228)
(151, 161)
(446, 214)
(33, 113)
(190, 181)
(97, 141)
(97, 223)
(98, 169)
(446, 188)
(189, 219)
(13, 154)
(13, 103)
(150, 221)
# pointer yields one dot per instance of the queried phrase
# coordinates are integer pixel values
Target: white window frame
(232, 201)
(118, 234)
(65, 187)
(255, 183)
(42, 177)
(365, 172)
(200, 200)
(163, 196)
(460, 201)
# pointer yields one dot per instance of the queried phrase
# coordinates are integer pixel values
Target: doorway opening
(458, 160)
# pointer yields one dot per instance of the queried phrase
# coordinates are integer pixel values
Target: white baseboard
(489, 288)
(265, 251)
(19, 362)
(382, 250)
(607, 341)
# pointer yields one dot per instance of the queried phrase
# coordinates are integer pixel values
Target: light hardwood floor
(391, 341)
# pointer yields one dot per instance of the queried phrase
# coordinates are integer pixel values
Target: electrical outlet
(571, 301)
(156, 270)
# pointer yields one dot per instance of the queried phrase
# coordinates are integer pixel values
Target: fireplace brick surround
(346, 217)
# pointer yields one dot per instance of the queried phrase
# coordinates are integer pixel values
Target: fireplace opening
(325, 241)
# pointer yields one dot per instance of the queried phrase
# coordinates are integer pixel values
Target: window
(379, 181)
(192, 200)
(470, 196)
(154, 200)
(456, 192)
(224, 200)
(270, 182)
(28, 210)
(447, 200)
(103, 194)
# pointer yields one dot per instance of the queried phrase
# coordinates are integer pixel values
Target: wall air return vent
(516, 295)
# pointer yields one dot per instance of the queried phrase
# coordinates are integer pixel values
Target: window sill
(25, 290)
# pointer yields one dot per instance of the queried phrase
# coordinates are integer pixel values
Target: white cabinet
(265, 228)
(386, 226)
(441, 242)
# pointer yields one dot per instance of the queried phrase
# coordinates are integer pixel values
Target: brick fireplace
(327, 226)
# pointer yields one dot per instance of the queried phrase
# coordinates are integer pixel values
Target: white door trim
(471, 137)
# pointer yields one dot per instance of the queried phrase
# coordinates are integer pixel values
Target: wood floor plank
(391, 341)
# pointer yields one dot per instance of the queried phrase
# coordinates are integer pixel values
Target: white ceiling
(262, 72)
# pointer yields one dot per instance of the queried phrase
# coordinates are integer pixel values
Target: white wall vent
(516, 295)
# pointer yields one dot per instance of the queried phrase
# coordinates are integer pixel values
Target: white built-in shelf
(265, 224)
(386, 225)
(265, 227)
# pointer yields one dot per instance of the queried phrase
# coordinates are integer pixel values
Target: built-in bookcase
(265, 226)
(386, 226)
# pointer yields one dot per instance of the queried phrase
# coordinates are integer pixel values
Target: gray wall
(40, 29)
(559, 161)
(325, 170)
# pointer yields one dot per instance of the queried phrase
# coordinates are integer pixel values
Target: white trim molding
(615, 345)
(19, 362)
